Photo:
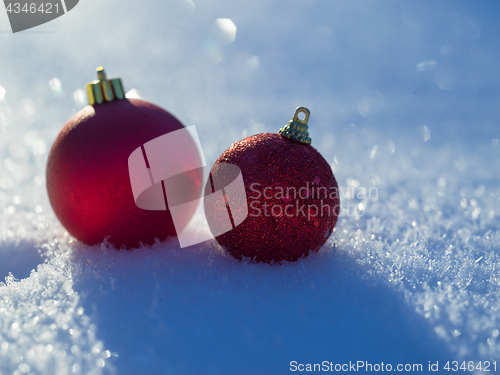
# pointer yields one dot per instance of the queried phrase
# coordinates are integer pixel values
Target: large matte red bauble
(292, 197)
(88, 179)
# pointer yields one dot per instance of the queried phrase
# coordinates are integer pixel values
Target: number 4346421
(470, 366)
(32, 8)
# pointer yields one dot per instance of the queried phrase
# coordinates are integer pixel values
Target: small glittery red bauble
(88, 179)
(292, 197)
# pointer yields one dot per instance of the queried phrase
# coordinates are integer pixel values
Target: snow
(404, 100)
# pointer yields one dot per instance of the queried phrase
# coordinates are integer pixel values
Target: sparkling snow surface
(404, 99)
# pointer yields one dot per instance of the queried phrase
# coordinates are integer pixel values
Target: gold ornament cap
(104, 90)
(297, 130)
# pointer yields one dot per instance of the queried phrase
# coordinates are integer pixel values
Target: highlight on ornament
(292, 196)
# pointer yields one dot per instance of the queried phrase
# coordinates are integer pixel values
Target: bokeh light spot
(56, 86)
(228, 29)
(426, 65)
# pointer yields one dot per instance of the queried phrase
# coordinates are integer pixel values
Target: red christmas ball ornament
(291, 194)
(88, 178)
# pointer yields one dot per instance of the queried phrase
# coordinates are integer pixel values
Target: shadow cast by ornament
(196, 310)
(19, 258)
